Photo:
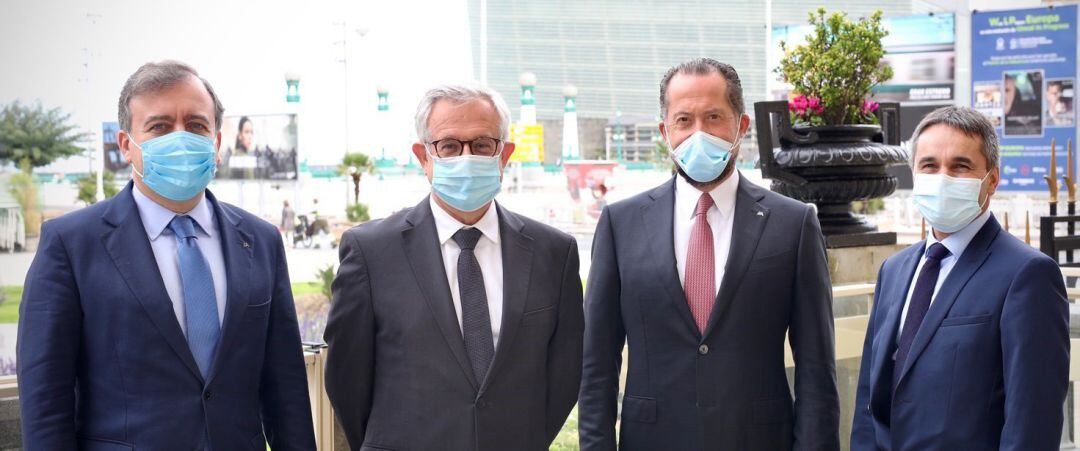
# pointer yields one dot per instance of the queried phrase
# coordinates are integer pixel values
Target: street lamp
(292, 86)
(619, 136)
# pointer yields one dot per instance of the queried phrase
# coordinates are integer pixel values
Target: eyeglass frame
(434, 146)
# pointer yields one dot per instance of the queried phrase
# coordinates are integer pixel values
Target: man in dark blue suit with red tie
(162, 318)
(968, 341)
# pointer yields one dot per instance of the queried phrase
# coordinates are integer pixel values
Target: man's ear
(420, 152)
(507, 152)
(123, 140)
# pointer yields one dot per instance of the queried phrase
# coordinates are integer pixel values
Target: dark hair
(705, 66)
(240, 131)
(965, 120)
(155, 76)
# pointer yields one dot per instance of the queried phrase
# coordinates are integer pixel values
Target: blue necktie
(200, 302)
(919, 304)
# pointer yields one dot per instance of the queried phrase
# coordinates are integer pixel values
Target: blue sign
(1023, 72)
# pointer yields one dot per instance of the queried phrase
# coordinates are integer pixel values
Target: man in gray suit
(704, 277)
(456, 324)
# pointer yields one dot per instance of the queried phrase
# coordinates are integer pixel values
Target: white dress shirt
(488, 253)
(955, 243)
(719, 217)
(155, 219)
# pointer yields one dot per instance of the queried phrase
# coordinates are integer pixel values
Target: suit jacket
(988, 368)
(397, 372)
(104, 365)
(725, 389)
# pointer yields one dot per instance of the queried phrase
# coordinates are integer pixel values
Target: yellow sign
(528, 143)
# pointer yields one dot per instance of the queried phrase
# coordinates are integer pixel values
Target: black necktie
(919, 304)
(475, 319)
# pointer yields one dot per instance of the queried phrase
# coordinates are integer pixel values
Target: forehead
(943, 142)
(697, 91)
(187, 96)
(469, 119)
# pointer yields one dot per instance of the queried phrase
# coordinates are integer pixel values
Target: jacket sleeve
(863, 436)
(350, 335)
(604, 339)
(286, 406)
(1035, 357)
(565, 348)
(50, 324)
(817, 405)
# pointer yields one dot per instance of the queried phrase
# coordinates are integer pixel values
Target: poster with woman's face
(1023, 102)
(258, 147)
(988, 100)
(1059, 103)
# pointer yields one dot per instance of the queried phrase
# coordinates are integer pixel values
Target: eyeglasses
(483, 146)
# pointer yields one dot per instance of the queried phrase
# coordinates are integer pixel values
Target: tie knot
(182, 226)
(466, 238)
(704, 203)
(937, 252)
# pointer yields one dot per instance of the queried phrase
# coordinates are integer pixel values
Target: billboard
(528, 143)
(1023, 73)
(258, 147)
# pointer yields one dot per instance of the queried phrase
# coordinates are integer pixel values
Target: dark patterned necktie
(475, 319)
(919, 304)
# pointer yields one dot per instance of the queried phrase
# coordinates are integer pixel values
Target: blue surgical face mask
(948, 203)
(177, 166)
(703, 157)
(466, 182)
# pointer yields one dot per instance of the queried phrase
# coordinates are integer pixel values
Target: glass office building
(616, 51)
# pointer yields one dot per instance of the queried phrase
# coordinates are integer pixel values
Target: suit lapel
(517, 252)
(973, 257)
(749, 221)
(659, 226)
(129, 247)
(237, 247)
(422, 249)
(892, 302)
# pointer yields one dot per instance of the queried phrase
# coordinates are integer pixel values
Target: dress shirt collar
(448, 226)
(958, 241)
(156, 218)
(686, 196)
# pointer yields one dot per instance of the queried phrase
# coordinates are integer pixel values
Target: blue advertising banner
(1023, 73)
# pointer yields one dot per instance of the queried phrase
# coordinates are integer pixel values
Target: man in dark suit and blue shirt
(456, 324)
(162, 318)
(704, 277)
(968, 341)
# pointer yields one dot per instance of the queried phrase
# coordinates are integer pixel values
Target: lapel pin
(245, 244)
(760, 213)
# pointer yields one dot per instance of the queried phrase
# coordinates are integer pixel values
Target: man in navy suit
(162, 318)
(968, 341)
(704, 278)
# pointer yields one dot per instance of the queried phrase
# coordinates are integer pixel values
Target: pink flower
(869, 106)
(813, 103)
(798, 104)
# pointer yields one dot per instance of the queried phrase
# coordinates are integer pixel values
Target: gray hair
(705, 66)
(967, 121)
(155, 76)
(460, 94)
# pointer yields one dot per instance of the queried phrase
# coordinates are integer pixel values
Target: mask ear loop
(132, 140)
(981, 181)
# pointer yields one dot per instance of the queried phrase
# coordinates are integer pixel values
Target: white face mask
(948, 203)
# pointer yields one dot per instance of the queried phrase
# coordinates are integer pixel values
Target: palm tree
(356, 164)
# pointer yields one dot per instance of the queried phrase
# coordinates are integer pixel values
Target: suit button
(208, 395)
(868, 408)
(703, 349)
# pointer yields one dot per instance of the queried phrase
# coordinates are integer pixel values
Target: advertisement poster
(114, 159)
(528, 143)
(1023, 77)
(258, 147)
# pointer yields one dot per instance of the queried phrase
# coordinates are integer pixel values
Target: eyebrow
(159, 117)
(197, 116)
(963, 159)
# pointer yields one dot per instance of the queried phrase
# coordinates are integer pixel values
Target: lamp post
(527, 80)
(618, 136)
(571, 148)
(382, 109)
(292, 86)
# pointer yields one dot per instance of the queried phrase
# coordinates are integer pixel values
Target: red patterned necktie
(700, 283)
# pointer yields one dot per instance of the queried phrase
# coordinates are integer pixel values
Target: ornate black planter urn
(832, 166)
